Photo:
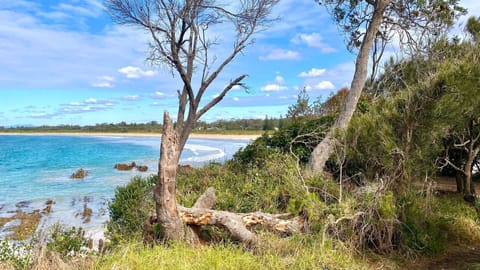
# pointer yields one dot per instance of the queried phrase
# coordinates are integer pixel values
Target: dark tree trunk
(460, 179)
(171, 225)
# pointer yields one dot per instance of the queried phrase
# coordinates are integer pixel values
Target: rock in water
(79, 174)
(125, 167)
(142, 168)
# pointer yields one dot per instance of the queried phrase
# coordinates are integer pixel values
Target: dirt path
(456, 258)
(446, 184)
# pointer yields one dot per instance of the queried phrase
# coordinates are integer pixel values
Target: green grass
(291, 255)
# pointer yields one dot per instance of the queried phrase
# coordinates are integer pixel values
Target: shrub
(67, 242)
(130, 207)
(299, 137)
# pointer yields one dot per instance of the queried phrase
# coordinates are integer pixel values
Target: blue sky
(66, 62)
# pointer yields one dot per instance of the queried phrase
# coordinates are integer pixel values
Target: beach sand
(106, 134)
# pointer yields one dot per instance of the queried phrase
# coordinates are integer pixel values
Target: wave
(202, 153)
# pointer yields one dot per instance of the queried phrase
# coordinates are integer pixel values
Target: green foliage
(473, 27)
(18, 254)
(299, 137)
(130, 207)
(422, 228)
(266, 189)
(387, 206)
(67, 242)
(302, 107)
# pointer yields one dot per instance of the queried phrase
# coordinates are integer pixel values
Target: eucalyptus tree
(182, 38)
(369, 25)
(459, 111)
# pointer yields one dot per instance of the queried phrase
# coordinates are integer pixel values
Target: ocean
(34, 169)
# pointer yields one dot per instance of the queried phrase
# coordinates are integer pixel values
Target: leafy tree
(268, 124)
(302, 107)
(369, 22)
(460, 112)
(473, 27)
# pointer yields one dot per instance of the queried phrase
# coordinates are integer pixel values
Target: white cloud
(280, 54)
(324, 85)
(91, 101)
(131, 98)
(235, 99)
(313, 40)
(273, 87)
(279, 79)
(277, 85)
(312, 73)
(104, 82)
(159, 94)
(135, 72)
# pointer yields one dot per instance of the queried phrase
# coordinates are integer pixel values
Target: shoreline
(151, 135)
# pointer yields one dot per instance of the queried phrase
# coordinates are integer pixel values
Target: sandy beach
(193, 135)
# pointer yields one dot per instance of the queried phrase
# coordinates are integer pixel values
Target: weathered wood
(238, 223)
(171, 226)
(206, 201)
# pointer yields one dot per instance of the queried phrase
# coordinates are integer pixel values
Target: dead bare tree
(180, 39)
(368, 22)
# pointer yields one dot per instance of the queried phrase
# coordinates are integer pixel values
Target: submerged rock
(129, 167)
(125, 167)
(79, 174)
(48, 207)
(20, 226)
(142, 168)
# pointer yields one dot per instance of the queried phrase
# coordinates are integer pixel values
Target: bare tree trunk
(468, 186)
(324, 149)
(165, 190)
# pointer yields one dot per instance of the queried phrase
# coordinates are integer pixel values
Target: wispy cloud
(314, 40)
(132, 72)
(159, 95)
(280, 54)
(104, 82)
(131, 98)
(312, 73)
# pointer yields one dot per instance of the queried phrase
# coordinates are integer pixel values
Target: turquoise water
(34, 169)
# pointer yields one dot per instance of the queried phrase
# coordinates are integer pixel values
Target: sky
(65, 62)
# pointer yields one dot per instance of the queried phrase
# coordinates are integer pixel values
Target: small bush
(130, 208)
(67, 242)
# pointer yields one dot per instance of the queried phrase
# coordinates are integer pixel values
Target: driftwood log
(238, 224)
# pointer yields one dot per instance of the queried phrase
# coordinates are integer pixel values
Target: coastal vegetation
(379, 201)
(231, 126)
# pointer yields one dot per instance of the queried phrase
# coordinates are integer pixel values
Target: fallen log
(238, 224)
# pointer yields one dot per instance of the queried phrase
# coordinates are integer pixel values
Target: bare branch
(213, 102)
